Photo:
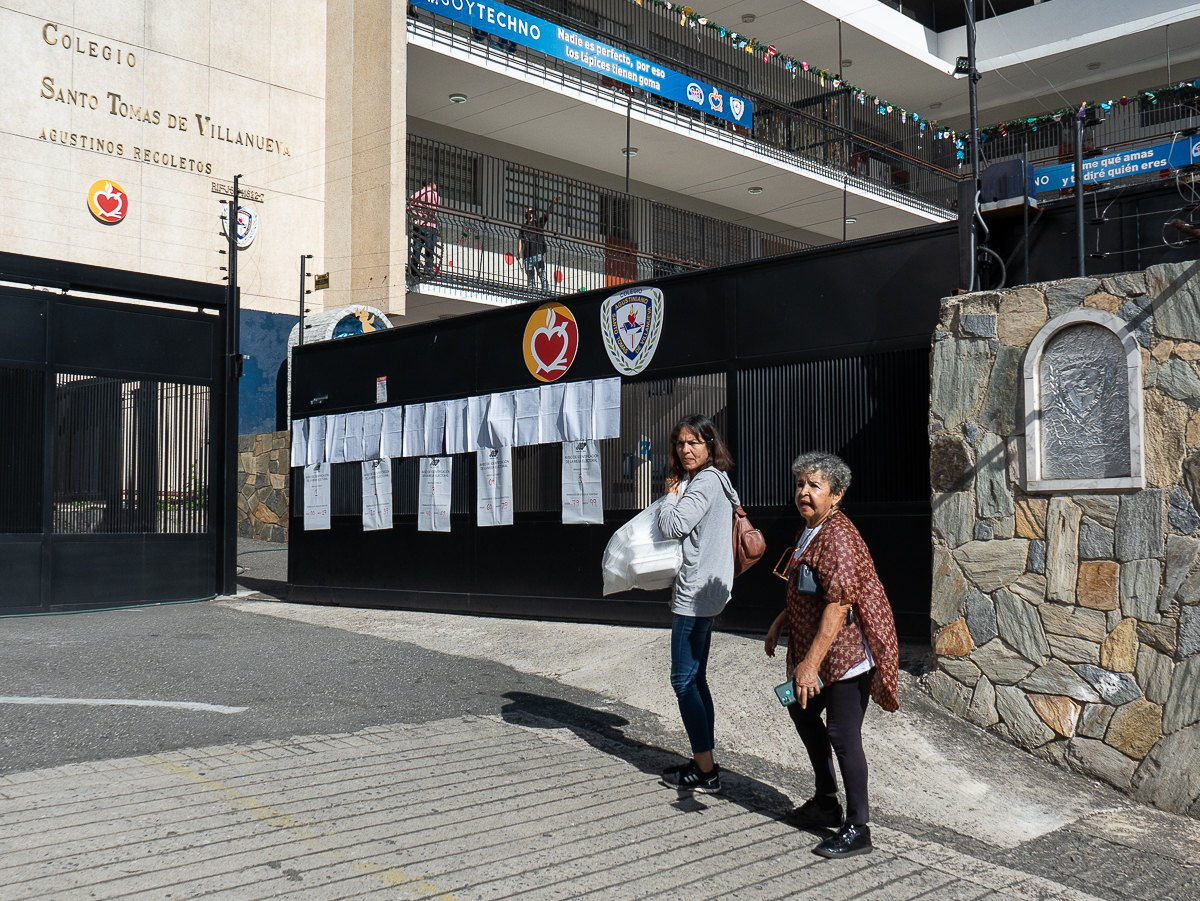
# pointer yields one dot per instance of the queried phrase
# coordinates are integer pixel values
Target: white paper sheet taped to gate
(376, 494)
(581, 483)
(299, 456)
(606, 408)
(414, 430)
(550, 408)
(354, 437)
(528, 404)
(494, 486)
(316, 441)
(372, 434)
(577, 411)
(391, 443)
(433, 504)
(435, 427)
(456, 426)
(477, 427)
(501, 420)
(335, 445)
(316, 496)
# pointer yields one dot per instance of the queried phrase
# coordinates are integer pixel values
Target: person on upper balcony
(422, 206)
(531, 248)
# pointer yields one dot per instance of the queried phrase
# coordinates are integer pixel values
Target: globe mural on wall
(359, 321)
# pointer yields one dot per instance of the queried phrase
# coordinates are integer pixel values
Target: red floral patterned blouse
(846, 573)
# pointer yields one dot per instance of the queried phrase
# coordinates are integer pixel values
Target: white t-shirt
(858, 669)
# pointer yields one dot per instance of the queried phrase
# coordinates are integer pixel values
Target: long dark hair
(718, 454)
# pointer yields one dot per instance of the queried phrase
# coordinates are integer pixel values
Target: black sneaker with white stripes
(690, 777)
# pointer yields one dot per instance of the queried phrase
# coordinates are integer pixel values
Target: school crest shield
(737, 107)
(631, 323)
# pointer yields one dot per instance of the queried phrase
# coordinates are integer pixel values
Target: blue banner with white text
(510, 24)
(1120, 164)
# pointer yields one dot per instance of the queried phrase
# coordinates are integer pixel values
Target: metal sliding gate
(111, 437)
(825, 349)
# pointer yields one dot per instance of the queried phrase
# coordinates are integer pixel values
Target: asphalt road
(293, 678)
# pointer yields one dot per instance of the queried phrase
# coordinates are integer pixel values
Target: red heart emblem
(108, 202)
(548, 347)
(551, 340)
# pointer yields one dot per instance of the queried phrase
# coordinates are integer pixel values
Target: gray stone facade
(1068, 622)
(264, 467)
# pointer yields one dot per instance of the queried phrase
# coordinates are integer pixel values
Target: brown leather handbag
(748, 543)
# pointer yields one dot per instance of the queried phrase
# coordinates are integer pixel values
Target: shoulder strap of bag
(748, 542)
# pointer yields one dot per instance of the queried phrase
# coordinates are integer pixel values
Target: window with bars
(577, 211)
(130, 457)
(455, 170)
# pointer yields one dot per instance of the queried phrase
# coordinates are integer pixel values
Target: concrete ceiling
(906, 64)
(506, 109)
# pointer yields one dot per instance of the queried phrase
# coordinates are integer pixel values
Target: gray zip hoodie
(702, 515)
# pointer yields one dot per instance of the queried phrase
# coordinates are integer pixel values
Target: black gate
(825, 349)
(111, 436)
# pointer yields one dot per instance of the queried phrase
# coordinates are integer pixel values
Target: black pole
(303, 290)
(1025, 204)
(845, 187)
(1079, 196)
(233, 371)
(973, 77)
(628, 115)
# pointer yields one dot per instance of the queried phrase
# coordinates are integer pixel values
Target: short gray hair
(831, 466)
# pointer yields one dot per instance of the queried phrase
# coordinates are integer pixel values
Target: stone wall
(1069, 622)
(264, 466)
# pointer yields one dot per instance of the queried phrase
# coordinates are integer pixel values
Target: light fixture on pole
(304, 289)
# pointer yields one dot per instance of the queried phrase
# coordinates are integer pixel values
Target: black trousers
(844, 705)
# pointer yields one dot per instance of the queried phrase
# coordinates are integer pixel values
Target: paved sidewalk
(395, 754)
(466, 808)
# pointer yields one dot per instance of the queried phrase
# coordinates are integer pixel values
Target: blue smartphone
(786, 692)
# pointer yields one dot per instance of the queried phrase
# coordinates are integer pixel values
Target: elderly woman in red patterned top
(842, 650)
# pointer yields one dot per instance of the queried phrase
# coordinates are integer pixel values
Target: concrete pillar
(366, 245)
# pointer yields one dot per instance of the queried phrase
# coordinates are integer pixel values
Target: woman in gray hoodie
(699, 509)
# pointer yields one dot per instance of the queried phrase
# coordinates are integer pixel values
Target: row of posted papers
(582, 501)
(577, 414)
(570, 411)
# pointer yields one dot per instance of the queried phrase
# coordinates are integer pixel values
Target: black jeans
(424, 238)
(845, 705)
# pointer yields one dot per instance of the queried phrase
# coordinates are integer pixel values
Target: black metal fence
(594, 237)
(827, 349)
(111, 429)
(833, 134)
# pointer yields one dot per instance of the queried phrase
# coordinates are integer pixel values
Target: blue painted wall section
(262, 400)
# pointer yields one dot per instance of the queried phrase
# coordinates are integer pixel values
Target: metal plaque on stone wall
(1084, 405)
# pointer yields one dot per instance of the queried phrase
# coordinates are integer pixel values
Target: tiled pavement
(480, 808)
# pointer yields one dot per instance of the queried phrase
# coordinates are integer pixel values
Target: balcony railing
(655, 32)
(595, 237)
(790, 135)
(1169, 113)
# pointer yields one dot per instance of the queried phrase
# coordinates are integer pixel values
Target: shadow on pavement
(602, 730)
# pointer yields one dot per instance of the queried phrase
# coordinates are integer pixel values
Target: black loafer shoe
(810, 815)
(850, 841)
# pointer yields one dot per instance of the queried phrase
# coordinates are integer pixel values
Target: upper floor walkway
(482, 246)
(803, 123)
